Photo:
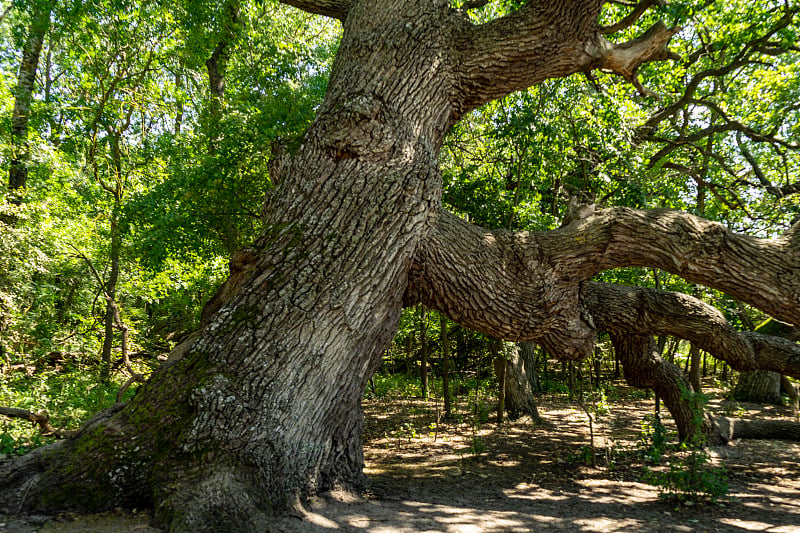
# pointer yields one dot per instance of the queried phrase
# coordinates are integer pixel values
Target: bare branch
(42, 419)
(624, 59)
(527, 286)
(631, 17)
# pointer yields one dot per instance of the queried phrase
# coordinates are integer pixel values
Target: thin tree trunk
(519, 400)
(499, 360)
(23, 93)
(448, 414)
(528, 354)
(109, 322)
(409, 353)
(694, 368)
(423, 350)
(111, 294)
(217, 62)
(179, 104)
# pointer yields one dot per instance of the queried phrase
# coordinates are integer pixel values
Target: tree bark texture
(758, 386)
(519, 400)
(23, 95)
(261, 407)
(530, 364)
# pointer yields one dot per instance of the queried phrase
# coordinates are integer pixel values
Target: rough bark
(629, 313)
(759, 386)
(519, 400)
(644, 368)
(727, 429)
(261, 407)
(330, 8)
(762, 386)
(527, 352)
(532, 280)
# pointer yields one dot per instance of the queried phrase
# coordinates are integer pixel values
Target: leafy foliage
(689, 473)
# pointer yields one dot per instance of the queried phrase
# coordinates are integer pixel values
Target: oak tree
(260, 407)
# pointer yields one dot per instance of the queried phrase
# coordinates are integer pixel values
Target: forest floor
(459, 477)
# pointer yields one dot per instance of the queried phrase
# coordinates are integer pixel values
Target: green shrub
(689, 474)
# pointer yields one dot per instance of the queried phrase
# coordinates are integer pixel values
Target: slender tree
(23, 94)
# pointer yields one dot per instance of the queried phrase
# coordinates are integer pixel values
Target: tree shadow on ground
(541, 479)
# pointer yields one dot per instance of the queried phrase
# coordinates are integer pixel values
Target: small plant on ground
(689, 474)
(653, 439)
(477, 447)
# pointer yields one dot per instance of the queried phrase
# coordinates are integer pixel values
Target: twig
(41, 418)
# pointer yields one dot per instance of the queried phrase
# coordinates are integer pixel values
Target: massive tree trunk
(261, 407)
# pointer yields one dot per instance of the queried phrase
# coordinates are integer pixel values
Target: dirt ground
(453, 477)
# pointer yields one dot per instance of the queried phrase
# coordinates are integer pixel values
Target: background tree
(38, 27)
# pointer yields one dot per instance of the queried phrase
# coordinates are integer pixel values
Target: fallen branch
(41, 418)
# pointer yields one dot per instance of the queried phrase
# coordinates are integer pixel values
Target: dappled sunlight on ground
(428, 475)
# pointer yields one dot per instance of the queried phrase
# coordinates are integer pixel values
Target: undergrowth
(69, 397)
(688, 474)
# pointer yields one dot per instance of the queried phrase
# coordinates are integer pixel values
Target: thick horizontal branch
(337, 9)
(527, 286)
(538, 41)
(641, 311)
(500, 283)
(764, 273)
(544, 40)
